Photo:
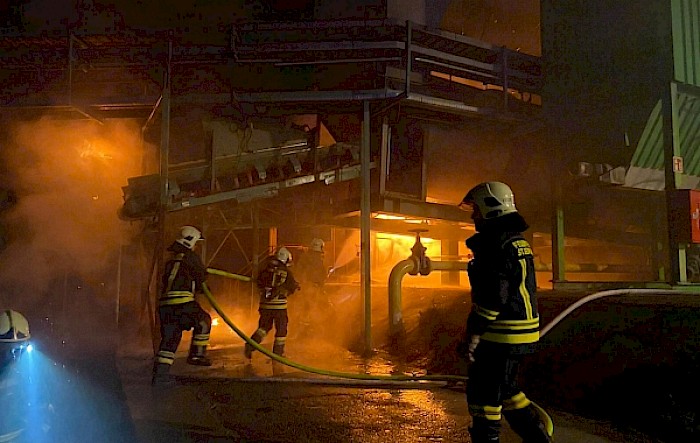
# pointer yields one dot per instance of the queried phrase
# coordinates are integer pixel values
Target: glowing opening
(383, 216)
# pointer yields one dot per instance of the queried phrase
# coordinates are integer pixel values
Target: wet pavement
(236, 400)
(104, 398)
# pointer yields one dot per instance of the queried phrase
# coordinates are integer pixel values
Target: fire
(94, 149)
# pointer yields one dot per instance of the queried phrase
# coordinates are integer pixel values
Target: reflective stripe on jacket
(183, 276)
(502, 276)
(275, 283)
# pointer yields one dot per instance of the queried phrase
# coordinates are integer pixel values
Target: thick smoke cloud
(67, 176)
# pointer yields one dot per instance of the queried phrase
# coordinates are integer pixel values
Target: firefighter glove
(473, 343)
(467, 346)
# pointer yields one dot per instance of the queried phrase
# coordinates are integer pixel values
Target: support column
(164, 191)
(255, 262)
(558, 236)
(365, 229)
(672, 176)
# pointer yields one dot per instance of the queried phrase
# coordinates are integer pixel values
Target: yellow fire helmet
(14, 327)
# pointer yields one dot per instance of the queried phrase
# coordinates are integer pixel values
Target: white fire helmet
(189, 236)
(284, 255)
(14, 328)
(317, 245)
(493, 199)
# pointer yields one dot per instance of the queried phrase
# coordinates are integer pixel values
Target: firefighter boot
(248, 351)
(161, 375)
(531, 423)
(198, 356)
(485, 431)
(278, 347)
(257, 337)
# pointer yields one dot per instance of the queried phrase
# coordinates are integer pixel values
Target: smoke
(67, 176)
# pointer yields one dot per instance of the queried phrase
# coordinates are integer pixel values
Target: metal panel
(649, 152)
(686, 41)
(689, 116)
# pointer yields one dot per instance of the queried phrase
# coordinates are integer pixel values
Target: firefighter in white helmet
(310, 268)
(503, 324)
(275, 283)
(14, 330)
(178, 310)
(14, 341)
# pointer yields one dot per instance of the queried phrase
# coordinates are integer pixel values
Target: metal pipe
(396, 276)
(449, 265)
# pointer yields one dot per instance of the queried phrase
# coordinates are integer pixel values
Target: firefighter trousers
(173, 320)
(269, 318)
(493, 392)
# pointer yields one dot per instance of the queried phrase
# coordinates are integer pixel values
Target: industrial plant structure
(363, 124)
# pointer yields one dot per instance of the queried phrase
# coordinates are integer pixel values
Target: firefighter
(311, 267)
(178, 311)
(275, 283)
(14, 340)
(312, 274)
(503, 324)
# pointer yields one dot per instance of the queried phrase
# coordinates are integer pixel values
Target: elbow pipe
(410, 266)
(399, 270)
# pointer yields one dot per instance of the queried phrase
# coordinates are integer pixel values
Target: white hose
(603, 294)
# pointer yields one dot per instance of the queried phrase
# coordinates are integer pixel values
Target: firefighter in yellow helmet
(503, 324)
(14, 340)
(178, 311)
(275, 283)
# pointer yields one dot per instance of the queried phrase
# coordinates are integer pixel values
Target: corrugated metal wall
(650, 152)
(686, 41)
(646, 166)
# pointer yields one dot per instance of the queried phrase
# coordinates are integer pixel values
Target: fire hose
(549, 425)
(450, 378)
(293, 364)
(354, 376)
(416, 378)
